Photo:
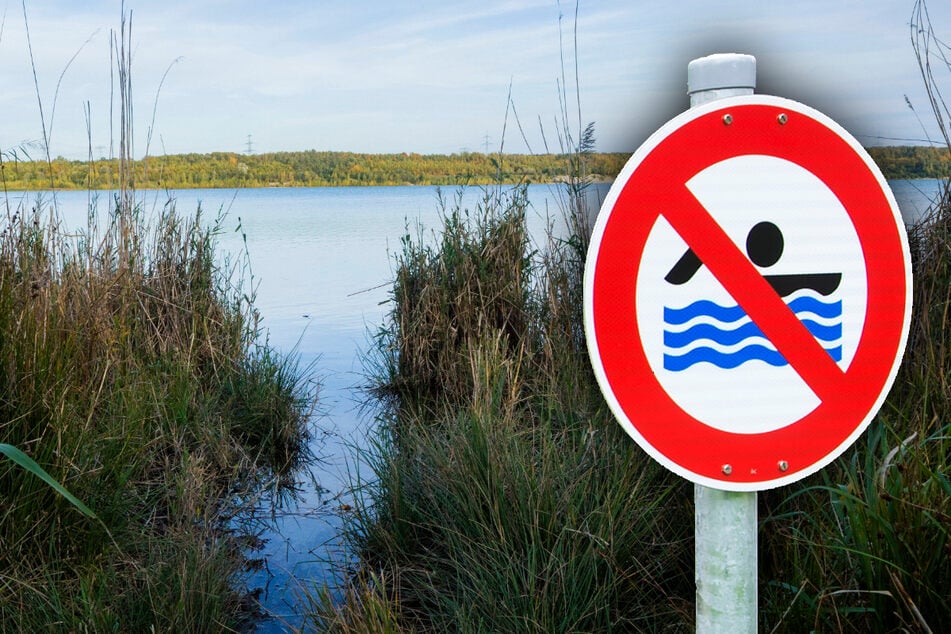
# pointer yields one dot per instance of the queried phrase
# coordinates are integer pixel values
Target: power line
(892, 138)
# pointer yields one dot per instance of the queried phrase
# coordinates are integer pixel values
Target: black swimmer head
(764, 246)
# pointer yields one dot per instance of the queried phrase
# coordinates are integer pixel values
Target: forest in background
(302, 169)
(325, 169)
(912, 161)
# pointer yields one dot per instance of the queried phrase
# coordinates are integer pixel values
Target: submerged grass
(130, 371)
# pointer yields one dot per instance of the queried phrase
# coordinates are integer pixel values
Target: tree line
(303, 169)
(912, 161)
(326, 169)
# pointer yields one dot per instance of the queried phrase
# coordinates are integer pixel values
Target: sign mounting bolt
(782, 118)
(783, 465)
(727, 469)
(727, 119)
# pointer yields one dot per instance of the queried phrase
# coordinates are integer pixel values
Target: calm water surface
(321, 260)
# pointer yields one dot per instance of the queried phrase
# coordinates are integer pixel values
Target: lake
(321, 261)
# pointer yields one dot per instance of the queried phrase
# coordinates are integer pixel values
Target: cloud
(431, 76)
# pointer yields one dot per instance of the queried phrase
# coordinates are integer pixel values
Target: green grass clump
(449, 297)
(130, 371)
(505, 498)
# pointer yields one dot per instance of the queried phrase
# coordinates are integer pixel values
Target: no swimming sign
(747, 293)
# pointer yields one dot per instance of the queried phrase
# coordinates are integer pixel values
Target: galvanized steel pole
(725, 522)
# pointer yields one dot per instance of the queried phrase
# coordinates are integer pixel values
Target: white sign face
(703, 348)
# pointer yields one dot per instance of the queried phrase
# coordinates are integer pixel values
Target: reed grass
(131, 371)
(502, 496)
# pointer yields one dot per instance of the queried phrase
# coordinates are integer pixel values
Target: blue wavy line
(704, 307)
(729, 314)
(746, 331)
(807, 304)
(677, 363)
(711, 332)
(823, 332)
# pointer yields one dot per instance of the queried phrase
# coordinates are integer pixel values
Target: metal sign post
(725, 522)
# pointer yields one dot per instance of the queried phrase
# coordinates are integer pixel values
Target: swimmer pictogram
(764, 246)
(724, 336)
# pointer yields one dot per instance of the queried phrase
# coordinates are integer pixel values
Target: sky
(438, 76)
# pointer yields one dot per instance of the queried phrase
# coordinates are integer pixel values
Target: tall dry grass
(130, 370)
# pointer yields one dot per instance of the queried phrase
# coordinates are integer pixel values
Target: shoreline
(593, 181)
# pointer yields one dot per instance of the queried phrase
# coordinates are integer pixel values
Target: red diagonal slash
(752, 292)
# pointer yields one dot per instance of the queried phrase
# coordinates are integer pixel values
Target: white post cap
(721, 71)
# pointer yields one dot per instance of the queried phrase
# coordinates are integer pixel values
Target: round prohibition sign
(652, 190)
